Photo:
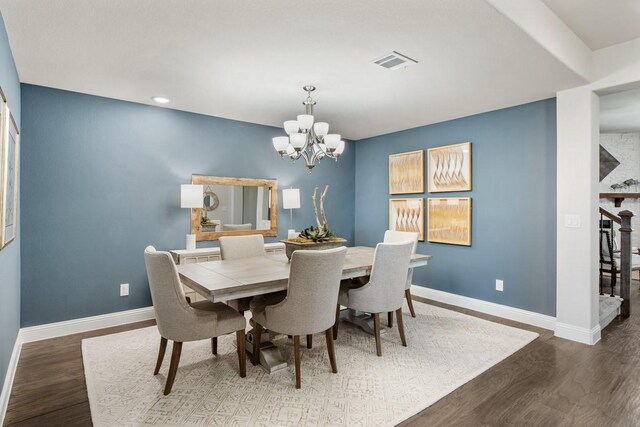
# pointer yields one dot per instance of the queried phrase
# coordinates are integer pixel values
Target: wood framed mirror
(235, 207)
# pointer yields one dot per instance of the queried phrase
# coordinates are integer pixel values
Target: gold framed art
(406, 172)
(449, 168)
(449, 220)
(9, 175)
(407, 215)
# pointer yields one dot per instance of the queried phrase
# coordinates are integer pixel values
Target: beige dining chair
(180, 321)
(384, 291)
(391, 236)
(314, 281)
(237, 247)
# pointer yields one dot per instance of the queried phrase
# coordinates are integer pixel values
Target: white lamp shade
(290, 150)
(319, 150)
(291, 198)
(291, 126)
(340, 148)
(332, 140)
(298, 140)
(321, 129)
(305, 121)
(280, 143)
(191, 196)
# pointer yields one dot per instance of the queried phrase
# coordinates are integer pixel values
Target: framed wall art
(406, 172)
(449, 220)
(407, 215)
(9, 164)
(449, 168)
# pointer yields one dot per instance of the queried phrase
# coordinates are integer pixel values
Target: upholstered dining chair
(391, 236)
(314, 281)
(237, 247)
(384, 291)
(180, 321)
(236, 227)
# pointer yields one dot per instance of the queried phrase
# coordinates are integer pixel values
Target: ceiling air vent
(394, 61)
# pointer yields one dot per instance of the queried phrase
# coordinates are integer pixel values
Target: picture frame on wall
(449, 220)
(406, 172)
(407, 215)
(449, 168)
(9, 176)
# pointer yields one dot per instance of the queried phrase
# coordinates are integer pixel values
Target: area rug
(445, 350)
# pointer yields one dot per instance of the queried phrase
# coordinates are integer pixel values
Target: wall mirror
(235, 207)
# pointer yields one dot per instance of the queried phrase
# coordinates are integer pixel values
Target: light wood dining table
(227, 280)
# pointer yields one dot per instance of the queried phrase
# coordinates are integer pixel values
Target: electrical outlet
(124, 289)
(499, 285)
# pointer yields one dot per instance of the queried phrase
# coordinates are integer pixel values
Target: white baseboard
(504, 311)
(8, 379)
(85, 324)
(576, 333)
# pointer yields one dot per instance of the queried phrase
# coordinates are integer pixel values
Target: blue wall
(101, 180)
(514, 204)
(10, 255)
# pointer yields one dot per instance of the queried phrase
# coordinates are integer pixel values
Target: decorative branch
(315, 208)
(325, 226)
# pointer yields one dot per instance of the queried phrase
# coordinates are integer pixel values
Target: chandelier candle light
(309, 140)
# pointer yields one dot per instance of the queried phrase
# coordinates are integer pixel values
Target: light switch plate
(572, 221)
(124, 289)
(499, 285)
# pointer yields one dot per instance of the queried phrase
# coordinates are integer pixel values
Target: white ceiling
(620, 112)
(247, 60)
(600, 23)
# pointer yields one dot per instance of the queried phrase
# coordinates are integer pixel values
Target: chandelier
(309, 140)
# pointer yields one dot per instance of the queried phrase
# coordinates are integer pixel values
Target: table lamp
(291, 201)
(191, 198)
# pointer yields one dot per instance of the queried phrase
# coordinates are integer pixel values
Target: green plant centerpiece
(315, 237)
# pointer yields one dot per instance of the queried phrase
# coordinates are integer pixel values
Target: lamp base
(191, 242)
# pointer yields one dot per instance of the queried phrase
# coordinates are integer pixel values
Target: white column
(577, 215)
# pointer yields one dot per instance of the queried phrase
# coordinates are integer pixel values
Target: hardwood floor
(551, 382)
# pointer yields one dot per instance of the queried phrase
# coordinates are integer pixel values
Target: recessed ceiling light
(160, 99)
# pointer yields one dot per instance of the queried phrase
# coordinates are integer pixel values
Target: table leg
(270, 357)
(362, 320)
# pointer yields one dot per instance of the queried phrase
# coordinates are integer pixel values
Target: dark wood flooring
(550, 382)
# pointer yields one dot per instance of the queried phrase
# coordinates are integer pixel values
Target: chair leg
(173, 368)
(163, 349)
(407, 295)
(335, 325)
(242, 357)
(401, 327)
(390, 319)
(332, 351)
(376, 329)
(257, 332)
(214, 345)
(309, 341)
(296, 350)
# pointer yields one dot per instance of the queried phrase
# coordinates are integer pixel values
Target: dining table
(242, 279)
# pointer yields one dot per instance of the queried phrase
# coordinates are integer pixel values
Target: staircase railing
(624, 268)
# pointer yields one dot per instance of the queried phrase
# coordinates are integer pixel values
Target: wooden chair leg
(296, 350)
(401, 327)
(407, 295)
(214, 345)
(242, 357)
(390, 319)
(376, 329)
(309, 341)
(163, 349)
(257, 332)
(332, 351)
(335, 325)
(173, 368)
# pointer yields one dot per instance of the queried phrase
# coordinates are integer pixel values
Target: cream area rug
(445, 350)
